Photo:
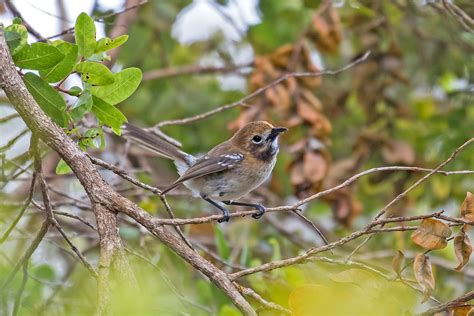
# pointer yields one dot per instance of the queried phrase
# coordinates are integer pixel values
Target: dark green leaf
(95, 73)
(17, 20)
(38, 56)
(105, 44)
(63, 168)
(108, 114)
(47, 98)
(16, 36)
(85, 35)
(59, 71)
(126, 82)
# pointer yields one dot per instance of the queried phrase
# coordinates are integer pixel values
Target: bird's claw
(260, 211)
(225, 217)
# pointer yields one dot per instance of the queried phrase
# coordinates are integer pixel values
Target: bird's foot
(260, 211)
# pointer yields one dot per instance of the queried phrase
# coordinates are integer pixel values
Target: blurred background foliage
(410, 103)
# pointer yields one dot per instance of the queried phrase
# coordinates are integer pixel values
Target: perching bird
(228, 171)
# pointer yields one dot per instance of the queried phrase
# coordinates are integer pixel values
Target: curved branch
(105, 199)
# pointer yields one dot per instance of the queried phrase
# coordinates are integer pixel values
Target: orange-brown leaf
(315, 167)
(424, 275)
(395, 152)
(467, 207)
(467, 310)
(397, 262)
(462, 249)
(431, 234)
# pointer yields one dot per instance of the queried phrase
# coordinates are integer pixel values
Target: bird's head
(258, 138)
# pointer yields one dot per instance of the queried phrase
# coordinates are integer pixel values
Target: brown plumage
(228, 171)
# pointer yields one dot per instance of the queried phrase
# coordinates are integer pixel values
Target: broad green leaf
(47, 98)
(63, 168)
(108, 114)
(16, 36)
(126, 82)
(223, 248)
(17, 20)
(95, 73)
(59, 71)
(85, 35)
(82, 105)
(105, 44)
(38, 56)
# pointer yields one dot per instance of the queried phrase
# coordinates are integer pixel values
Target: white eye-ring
(257, 139)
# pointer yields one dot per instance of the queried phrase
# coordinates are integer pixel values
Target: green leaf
(95, 73)
(108, 114)
(75, 90)
(17, 20)
(85, 35)
(82, 105)
(126, 82)
(223, 248)
(89, 138)
(59, 71)
(63, 168)
(47, 98)
(38, 56)
(16, 36)
(105, 44)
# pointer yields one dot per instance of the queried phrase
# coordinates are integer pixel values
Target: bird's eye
(257, 139)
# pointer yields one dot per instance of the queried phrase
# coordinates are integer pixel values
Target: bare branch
(460, 301)
(17, 13)
(261, 90)
(190, 70)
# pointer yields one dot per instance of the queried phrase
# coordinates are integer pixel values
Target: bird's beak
(275, 132)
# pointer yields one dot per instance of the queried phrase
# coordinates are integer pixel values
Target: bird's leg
(259, 207)
(224, 211)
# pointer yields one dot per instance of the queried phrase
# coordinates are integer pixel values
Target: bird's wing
(207, 165)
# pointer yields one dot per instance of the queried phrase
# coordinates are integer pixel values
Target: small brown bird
(228, 171)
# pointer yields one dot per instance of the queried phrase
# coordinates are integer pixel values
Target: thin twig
(17, 13)
(266, 304)
(460, 301)
(261, 90)
(22, 210)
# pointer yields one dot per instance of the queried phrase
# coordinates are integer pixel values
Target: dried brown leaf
(297, 174)
(424, 275)
(467, 310)
(462, 249)
(431, 234)
(312, 99)
(397, 263)
(467, 207)
(396, 152)
(315, 167)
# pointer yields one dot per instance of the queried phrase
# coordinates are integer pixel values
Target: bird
(228, 171)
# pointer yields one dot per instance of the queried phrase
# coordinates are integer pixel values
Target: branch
(190, 70)
(124, 19)
(98, 19)
(105, 199)
(460, 301)
(261, 90)
(17, 13)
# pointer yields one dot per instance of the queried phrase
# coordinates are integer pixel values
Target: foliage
(409, 104)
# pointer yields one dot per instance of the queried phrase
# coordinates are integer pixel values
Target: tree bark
(102, 195)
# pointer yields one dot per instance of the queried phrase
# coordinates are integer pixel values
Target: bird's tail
(155, 144)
